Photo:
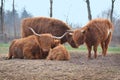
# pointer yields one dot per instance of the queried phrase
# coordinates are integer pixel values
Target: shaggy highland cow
(97, 31)
(58, 53)
(35, 46)
(25, 48)
(47, 25)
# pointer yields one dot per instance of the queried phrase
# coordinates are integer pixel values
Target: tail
(110, 32)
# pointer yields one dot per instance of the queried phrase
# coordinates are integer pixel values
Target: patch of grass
(4, 47)
(83, 48)
(114, 49)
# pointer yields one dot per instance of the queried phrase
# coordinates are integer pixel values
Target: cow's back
(44, 25)
(22, 46)
(98, 30)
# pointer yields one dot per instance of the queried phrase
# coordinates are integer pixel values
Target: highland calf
(35, 46)
(58, 53)
(43, 25)
(97, 31)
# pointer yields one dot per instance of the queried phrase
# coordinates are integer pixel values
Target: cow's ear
(56, 43)
(83, 31)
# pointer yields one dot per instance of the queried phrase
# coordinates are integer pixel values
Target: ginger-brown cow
(58, 53)
(43, 25)
(25, 48)
(33, 47)
(97, 31)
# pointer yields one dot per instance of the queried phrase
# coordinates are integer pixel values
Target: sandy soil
(77, 68)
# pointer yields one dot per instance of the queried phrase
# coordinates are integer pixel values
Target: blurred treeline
(11, 24)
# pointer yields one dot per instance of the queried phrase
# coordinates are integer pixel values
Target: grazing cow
(35, 46)
(97, 31)
(47, 25)
(58, 53)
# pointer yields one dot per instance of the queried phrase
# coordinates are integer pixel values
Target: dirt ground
(77, 68)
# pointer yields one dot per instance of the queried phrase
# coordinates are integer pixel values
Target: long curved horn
(70, 31)
(33, 31)
(60, 37)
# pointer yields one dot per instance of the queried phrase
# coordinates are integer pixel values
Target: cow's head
(78, 36)
(70, 40)
(47, 41)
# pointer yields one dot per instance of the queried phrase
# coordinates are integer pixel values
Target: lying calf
(58, 53)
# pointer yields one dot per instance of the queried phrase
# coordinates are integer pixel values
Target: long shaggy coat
(97, 31)
(58, 53)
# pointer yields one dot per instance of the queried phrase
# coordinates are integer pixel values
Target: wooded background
(10, 21)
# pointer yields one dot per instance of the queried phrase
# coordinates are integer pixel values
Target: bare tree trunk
(2, 28)
(112, 8)
(51, 3)
(14, 19)
(2, 17)
(89, 11)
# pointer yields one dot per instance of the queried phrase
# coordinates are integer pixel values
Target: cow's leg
(48, 58)
(37, 56)
(95, 50)
(11, 49)
(12, 54)
(9, 56)
(103, 48)
(28, 54)
(107, 43)
(89, 47)
(60, 57)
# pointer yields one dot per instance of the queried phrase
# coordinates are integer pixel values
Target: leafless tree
(2, 17)
(51, 8)
(14, 18)
(112, 8)
(89, 10)
(3, 34)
